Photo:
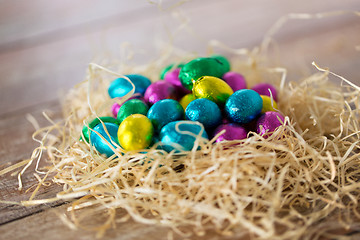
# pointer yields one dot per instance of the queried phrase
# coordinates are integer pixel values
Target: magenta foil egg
(263, 89)
(233, 131)
(173, 78)
(159, 90)
(268, 122)
(235, 80)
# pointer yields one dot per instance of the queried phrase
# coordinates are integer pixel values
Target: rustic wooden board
(45, 47)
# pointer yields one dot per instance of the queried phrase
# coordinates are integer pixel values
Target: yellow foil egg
(212, 88)
(135, 132)
(185, 100)
(267, 107)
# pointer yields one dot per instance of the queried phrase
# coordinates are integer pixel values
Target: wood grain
(45, 48)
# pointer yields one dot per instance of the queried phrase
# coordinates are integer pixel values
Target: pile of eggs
(192, 101)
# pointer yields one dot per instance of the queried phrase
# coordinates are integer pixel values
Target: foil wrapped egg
(223, 60)
(182, 135)
(173, 78)
(235, 80)
(110, 136)
(185, 100)
(204, 111)
(135, 132)
(243, 106)
(265, 89)
(233, 131)
(165, 111)
(168, 68)
(267, 106)
(268, 122)
(212, 88)
(158, 91)
(121, 86)
(130, 107)
(115, 107)
(86, 128)
(199, 67)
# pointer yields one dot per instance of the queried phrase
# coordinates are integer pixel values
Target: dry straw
(301, 182)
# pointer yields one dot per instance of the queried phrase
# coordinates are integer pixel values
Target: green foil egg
(224, 61)
(130, 107)
(86, 131)
(135, 132)
(212, 88)
(199, 67)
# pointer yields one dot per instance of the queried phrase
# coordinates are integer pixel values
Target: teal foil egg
(181, 135)
(243, 106)
(204, 111)
(199, 67)
(121, 86)
(100, 144)
(130, 107)
(165, 111)
(86, 131)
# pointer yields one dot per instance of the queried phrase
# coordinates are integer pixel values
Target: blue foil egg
(204, 111)
(181, 135)
(101, 145)
(165, 111)
(243, 106)
(120, 86)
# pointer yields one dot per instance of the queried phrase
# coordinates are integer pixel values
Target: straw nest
(286, 186)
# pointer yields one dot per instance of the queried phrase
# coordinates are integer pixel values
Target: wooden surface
(45, 47)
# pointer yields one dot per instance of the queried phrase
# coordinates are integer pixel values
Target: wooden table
(45, 47)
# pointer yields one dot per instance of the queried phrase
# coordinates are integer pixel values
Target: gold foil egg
(135, 132)
(212, 88)
(267, 107)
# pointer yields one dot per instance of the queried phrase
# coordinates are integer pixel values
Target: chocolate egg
(135, 132)
(268, 122)
(243, 106)
(233, 131)
(267, 107)
(130, 107)
(101, 145)
(165, 111)
(204, 111)
(121, 86)
(185, 100)
(224, 61)
(264, 89)
(235, 80)
(159, 90)
(181, 135)
(212, 88)
(115, 107)
(166, 69)
(86, 131)
(173, 78)
(199, 67)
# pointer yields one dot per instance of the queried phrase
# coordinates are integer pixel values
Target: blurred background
(45, 46)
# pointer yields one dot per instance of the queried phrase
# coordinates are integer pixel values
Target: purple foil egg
(235, 80)
(173, 78)
(159, 90)
(233, 132)
(268, 122)
(263, 89)
(115, 107)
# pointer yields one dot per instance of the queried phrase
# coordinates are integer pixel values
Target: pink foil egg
(268, 122)
(233, 131)
(263, 89)
(159, 90)
(235, 80)
(173, 78)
